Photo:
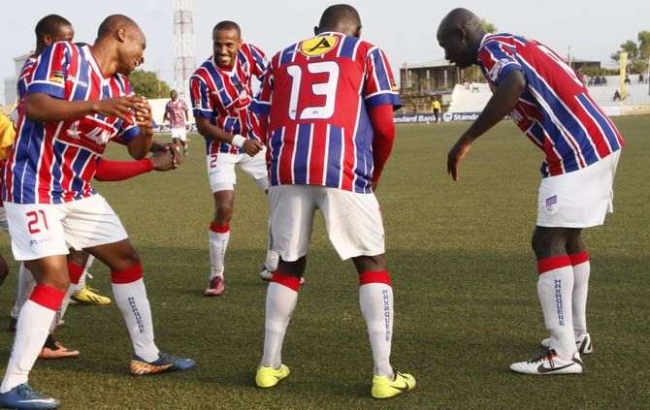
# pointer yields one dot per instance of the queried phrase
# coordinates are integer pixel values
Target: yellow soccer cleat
(268, 377)
(89, 296)
(384, 388)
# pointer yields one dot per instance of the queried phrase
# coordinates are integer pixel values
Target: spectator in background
(435, 107)
(617, 96)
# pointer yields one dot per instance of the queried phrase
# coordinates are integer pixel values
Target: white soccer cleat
(549, 364)
(583, 344)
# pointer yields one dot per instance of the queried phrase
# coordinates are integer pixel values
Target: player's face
(174, 95)
(131, 52)
(64, 33)
(225, 44)
(456, 48)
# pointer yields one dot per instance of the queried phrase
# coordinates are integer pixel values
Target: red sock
(74, 272)
(290, 281)
(128, 275)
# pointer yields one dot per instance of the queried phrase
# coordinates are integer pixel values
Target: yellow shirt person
(7, 136)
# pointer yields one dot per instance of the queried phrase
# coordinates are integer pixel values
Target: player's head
(125, 38)
(50, 29)
(226, 41)
(173, 95)
(341, 18)
(460, 34)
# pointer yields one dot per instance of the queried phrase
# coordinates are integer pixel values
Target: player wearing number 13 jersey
(327, 105)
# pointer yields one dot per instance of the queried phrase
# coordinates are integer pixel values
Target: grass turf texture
(464, 279)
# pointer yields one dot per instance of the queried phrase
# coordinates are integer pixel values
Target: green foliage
(488, 27)
(463, 274)
(148, 83)
(637, 53)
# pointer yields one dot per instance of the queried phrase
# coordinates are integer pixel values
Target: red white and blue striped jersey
(25, 76)
(555, 110)
(224, 95)
(54, 162)
(317, 94)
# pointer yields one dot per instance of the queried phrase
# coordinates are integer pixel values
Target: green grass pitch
(464, 277)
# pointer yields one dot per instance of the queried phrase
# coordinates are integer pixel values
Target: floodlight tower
(184, 61)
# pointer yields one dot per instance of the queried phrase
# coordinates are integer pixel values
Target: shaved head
(123, 41)
(341, 18)
(460, 34)
(114, 23)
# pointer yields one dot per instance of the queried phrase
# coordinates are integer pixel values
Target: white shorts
(221, 170)
(579, 199)
(353, 221)
(179, 134)
(40, 230)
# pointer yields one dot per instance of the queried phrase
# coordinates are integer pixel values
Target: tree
(148, 84)
(637, 54)
(488, 27)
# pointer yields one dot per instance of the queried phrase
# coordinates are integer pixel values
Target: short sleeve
(200, 97)
(379, 87)
(498, 60)
(262, 102)
(260, 63)
(51, 71)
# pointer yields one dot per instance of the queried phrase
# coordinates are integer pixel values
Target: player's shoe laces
(89, 296)
(269, 377)
(549, 363)
(216, 287)
(55, 350)
(166, 363)
(266, 275)
(583, 344)
(384, 388)
(24, 397)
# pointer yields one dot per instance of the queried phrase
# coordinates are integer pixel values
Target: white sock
(376, 301)
(132, 300)
(26, 285)
(219, 237)
(581, 273)
(281, 299)
(555, 289)
(32, 330)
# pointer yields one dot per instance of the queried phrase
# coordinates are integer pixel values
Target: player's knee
(223, 213)
(370, 263)
(78, 257)
(548, 242)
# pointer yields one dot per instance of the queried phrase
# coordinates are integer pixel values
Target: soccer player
(330, 101)
(176, 114)
(547, 101)
(221, 91)
(78, 99)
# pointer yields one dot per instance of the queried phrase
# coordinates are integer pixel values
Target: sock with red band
(131, 297)
(555, 289)
(219, 237)
(32, 330)
(376, 301)
(75, 272)
(581, 272)
(281, 298)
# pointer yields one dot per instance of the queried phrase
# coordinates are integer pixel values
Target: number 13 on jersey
(326, 89)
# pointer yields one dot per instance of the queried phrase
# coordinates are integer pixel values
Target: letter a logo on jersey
(317, 46)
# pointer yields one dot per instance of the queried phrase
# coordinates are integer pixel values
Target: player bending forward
(548, 102)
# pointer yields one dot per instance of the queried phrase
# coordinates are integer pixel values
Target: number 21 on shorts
(36, 220)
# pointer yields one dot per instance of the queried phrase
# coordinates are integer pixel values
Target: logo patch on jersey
(56, 77)
(552, 205)
(318, 46)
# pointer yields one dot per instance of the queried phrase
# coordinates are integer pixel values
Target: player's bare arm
(43, 108)
(141, 145)
(501, 104)
(209, 130)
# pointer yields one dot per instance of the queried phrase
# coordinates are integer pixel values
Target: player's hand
(143, 115)
(252, 147)
(456, 154)
(121, 107)
(163, 161)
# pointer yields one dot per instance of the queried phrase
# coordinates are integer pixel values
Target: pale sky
(405, 29)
